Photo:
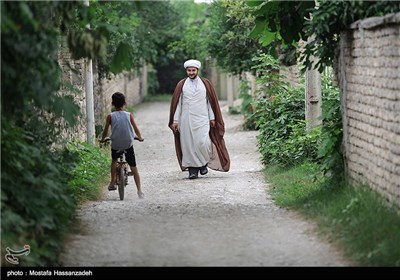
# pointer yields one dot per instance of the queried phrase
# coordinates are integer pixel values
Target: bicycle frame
(121, 167)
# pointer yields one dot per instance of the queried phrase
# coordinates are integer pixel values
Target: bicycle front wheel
(121, 183)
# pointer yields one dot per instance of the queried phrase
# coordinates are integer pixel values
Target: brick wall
(369, 75)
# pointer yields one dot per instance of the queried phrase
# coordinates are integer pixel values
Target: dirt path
(221, 219)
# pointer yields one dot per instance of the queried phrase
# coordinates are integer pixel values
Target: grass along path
(355, 218)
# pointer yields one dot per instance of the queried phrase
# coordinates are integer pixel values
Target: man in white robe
(192, 119)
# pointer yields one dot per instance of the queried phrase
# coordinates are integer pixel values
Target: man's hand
(212, 123)
(175, 127)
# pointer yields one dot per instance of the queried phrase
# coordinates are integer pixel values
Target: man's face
(191, 72)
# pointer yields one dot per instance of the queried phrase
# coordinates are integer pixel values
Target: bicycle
(121, 171)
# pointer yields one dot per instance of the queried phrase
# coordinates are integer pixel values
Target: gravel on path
(220, 219)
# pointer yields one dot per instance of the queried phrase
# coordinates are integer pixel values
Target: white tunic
(193, 114)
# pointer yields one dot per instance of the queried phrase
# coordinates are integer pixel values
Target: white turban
(192, 63)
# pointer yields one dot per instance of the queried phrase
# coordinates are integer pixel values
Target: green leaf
(258, 28)
(122, 59)
(267, 37)
(252, 3)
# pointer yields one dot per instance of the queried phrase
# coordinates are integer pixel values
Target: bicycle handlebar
(107, 139)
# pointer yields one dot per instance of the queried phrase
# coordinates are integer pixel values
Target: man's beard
(194, 77)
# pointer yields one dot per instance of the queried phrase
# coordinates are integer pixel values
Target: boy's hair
(118, 99)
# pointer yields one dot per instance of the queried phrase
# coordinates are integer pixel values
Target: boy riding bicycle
(123, 133)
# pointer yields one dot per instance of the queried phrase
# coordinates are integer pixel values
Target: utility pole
(90, 132)
(313, 94)
(313, 98)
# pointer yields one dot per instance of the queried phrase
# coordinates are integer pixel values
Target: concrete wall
(291, 74)
(369, 76)
(226, 85)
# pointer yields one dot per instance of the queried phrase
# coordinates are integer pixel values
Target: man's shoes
(193, 172)
(203, 170)
(111, 188)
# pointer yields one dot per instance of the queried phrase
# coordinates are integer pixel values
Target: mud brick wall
(75, 78)
(369, 76)
(127, 83)
(133, 85)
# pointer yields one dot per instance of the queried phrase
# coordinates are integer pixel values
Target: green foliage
(284, 23)
(299, 146)
(228, 36)
(279, 26)
(29, 67)
(160, 23)
(193, 41)
(330, 19)
(119, 20)
(330, 156)
(357, 218)
(282, 135)
(184, 18)
(280, 20)
(247, 102)
(279, 117)
(40, 192)
(152, 81)
(268, 77)
(36, 204)
(90, 165)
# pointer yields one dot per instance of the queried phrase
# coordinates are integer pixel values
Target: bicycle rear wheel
(121, 183)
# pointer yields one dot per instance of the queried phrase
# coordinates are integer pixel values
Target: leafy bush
(36, 203)
(282, 137)
(279, 117)
(330, 156)
(43, 189)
